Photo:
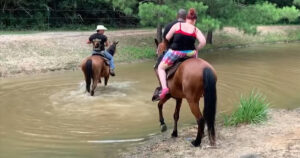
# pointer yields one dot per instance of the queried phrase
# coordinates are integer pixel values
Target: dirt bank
(52, 51)
(278, 137)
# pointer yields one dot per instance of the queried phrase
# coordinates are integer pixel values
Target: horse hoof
(163, 128)
(213, 144)
(174, 134)
(92, 93)
(196, 143)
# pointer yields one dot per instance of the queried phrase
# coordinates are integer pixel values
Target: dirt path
(70, 34)
(278, 137)
(52, 51)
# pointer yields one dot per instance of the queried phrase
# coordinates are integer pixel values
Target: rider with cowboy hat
(99, 41)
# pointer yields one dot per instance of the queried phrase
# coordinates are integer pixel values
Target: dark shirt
(167, 29)
(98, 41)
(183, 40)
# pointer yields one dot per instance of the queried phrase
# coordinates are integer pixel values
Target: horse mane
(112, 48)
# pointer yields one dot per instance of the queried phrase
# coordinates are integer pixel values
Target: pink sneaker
(163, 93)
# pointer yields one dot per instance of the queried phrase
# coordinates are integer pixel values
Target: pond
(50, 115)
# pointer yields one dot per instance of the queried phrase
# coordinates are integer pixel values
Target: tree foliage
(296, 3)
(261, 14)
(213, 14)
(152, 14)
(44, 14)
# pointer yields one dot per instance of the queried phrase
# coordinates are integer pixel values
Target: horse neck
(111, 50)
(162, 47)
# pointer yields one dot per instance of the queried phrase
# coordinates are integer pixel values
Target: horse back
(194, 68)
(188, 79)
(98, 65)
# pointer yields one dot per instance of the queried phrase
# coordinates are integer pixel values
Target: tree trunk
(209, 37)
(159, 33)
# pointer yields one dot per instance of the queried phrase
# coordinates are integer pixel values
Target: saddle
(169, 73)
(102, 55)
(171, 70)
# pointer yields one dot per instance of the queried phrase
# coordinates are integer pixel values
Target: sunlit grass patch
(131, 53)
(252, 110)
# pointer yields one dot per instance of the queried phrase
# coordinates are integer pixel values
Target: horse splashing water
(193, 79)
(95, 67)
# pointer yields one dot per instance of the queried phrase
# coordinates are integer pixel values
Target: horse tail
(210, 98)
(89, 72)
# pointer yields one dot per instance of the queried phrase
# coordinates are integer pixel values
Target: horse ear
(117, 42)
(156, 42)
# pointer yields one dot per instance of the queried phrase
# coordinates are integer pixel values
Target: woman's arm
(201, 38)
(172, 31)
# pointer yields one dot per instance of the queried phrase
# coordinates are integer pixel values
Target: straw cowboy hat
(101, 27)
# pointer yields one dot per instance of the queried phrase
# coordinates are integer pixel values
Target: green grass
(252, 110)
(131, 53)
(225, 40)
(17, 32)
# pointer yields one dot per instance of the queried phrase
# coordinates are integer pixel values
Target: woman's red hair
(192, 14)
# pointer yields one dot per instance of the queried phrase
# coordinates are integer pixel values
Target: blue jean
(109, 57)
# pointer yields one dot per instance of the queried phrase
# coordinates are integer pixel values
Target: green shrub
(252, 109)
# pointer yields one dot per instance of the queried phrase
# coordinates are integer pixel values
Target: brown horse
(193, 79)
(95, 67)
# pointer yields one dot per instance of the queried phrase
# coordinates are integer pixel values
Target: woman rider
(185, 35)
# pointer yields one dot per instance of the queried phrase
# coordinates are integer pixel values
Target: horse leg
(163, 126)
(194, 106)
(95, 82)
(106, 80)
(176, 117)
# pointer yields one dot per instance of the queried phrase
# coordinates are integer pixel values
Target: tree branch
(27, 12)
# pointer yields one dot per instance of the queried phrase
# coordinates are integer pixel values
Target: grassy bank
(50, 51)
(251, 110)
(232, 38)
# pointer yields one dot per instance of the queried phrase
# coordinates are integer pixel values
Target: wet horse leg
(87, 82)
(176, 117)
(95, 82)
(106, 80)
(163, 126)
(194, 106)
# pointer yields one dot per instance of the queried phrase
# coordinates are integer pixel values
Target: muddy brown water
(50, 115)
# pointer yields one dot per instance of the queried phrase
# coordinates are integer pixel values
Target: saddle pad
(102, 56)
(171, 70)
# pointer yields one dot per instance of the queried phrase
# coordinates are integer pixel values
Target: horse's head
(112, 48)
(161, 47)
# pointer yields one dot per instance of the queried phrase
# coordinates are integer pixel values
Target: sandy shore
(278, 137)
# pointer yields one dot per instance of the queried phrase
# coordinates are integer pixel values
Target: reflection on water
(50, 115)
